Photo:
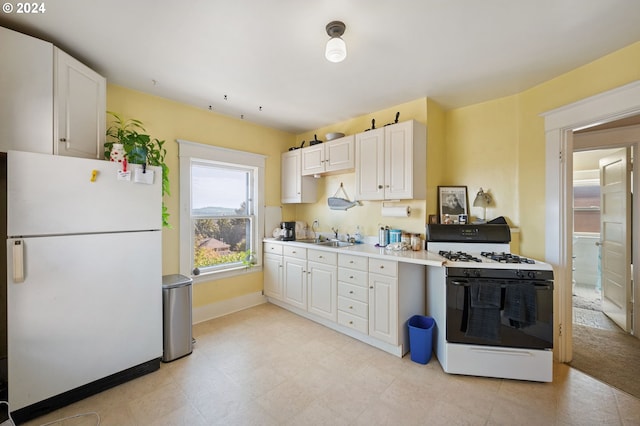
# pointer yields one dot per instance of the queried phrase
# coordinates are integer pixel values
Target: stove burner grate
(506, 257)
(458, 256)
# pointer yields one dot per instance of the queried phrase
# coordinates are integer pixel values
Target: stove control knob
(466, 273)
(520, 274)
(532, 275)
(476, 272)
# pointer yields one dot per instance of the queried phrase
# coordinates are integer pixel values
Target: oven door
(500, 312)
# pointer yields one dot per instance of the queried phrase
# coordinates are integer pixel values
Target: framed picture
(452, 202)
(433, 219)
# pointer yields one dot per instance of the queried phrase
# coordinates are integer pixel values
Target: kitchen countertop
(421, 257)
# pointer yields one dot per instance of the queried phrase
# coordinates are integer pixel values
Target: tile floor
(267, 366)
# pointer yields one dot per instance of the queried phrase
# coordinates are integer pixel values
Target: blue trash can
(421, 338)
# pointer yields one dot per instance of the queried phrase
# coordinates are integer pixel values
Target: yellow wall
(498, 145)
(170, 120)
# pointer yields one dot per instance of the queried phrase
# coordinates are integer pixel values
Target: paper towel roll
(396, 211)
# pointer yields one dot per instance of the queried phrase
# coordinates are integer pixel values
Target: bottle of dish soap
(358, 235)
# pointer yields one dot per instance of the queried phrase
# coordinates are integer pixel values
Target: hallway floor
(267, 366)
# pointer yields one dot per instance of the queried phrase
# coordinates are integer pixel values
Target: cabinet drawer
(321, 256)
(383, 267)
(351, 276)
(353, 307)
(354, 262)
(353, 292)
(272, 248)
(353, 322)
(292, 251)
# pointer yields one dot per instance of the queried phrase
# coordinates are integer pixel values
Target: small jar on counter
(406, 238)
(416, 242)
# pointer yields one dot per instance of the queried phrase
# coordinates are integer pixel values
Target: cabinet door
(79, 110)
(295, 188)
(273, 276)
(370, 165)
(383, 308)
(339, 154)
(313, 160)
(398, 154)
(26, 87)
(291, 183)
(323, 290)
(295, 282)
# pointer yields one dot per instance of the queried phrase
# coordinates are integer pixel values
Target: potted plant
(139, 148)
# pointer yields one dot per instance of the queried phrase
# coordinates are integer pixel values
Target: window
(221, 213)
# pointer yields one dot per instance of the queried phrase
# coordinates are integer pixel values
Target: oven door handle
(466, 283)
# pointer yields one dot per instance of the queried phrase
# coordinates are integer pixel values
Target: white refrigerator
(84, 277)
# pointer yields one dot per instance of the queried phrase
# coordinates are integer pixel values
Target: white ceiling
(270, 54)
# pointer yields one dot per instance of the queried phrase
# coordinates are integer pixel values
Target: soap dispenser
(358, 235)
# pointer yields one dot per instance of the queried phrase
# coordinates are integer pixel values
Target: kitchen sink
(332, 243)
(326, 243)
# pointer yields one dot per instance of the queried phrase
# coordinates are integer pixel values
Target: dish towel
(520, 305)
(484, 310)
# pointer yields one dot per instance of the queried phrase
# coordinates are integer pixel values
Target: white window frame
(193, 152)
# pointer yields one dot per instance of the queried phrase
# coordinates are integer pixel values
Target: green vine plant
(139, 148)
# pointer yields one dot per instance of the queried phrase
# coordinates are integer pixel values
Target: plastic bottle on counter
(416, 242)
(358, 235)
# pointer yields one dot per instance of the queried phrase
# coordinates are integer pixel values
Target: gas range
(478, 246)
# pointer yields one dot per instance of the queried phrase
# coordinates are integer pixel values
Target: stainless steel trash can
(176, 317)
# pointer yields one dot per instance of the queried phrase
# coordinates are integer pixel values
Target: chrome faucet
(335, 231)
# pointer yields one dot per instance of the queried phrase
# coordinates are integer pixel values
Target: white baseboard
(225, 307)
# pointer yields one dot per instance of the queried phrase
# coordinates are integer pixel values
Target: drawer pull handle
(351, 261)
(320, 257)
(351, 322)
(351, 277)
(381, 266)
(350, 291)
(350, 307)
(371, 287)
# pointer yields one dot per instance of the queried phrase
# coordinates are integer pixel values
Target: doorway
(591, 305)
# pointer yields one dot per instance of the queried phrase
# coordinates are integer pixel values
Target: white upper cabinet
(51, 103)
(391, 162)
(26, 85)
(295, 188)
(330, 157)
(80, 102)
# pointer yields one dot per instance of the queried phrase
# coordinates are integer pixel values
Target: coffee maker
(288, 231)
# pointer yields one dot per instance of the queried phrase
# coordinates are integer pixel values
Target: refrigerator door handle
(18, 261)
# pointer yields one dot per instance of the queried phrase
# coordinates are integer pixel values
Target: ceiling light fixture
(336, 49)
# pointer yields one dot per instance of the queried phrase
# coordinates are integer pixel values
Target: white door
(295, 282)
(273, 276)
(340, 154)
(313, 160)
(615, 235)
(383, 308)
(322, 290)
(399, 161)
(89, 306)
(81, 100)
(370, 165)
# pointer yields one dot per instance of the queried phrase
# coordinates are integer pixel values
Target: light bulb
(336, 50)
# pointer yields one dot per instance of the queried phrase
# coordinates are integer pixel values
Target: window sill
(227, 273)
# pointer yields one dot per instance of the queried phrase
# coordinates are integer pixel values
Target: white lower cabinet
(322, 284)
(273, 276)
(295, 282)
(383, 300)
(367, 298)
